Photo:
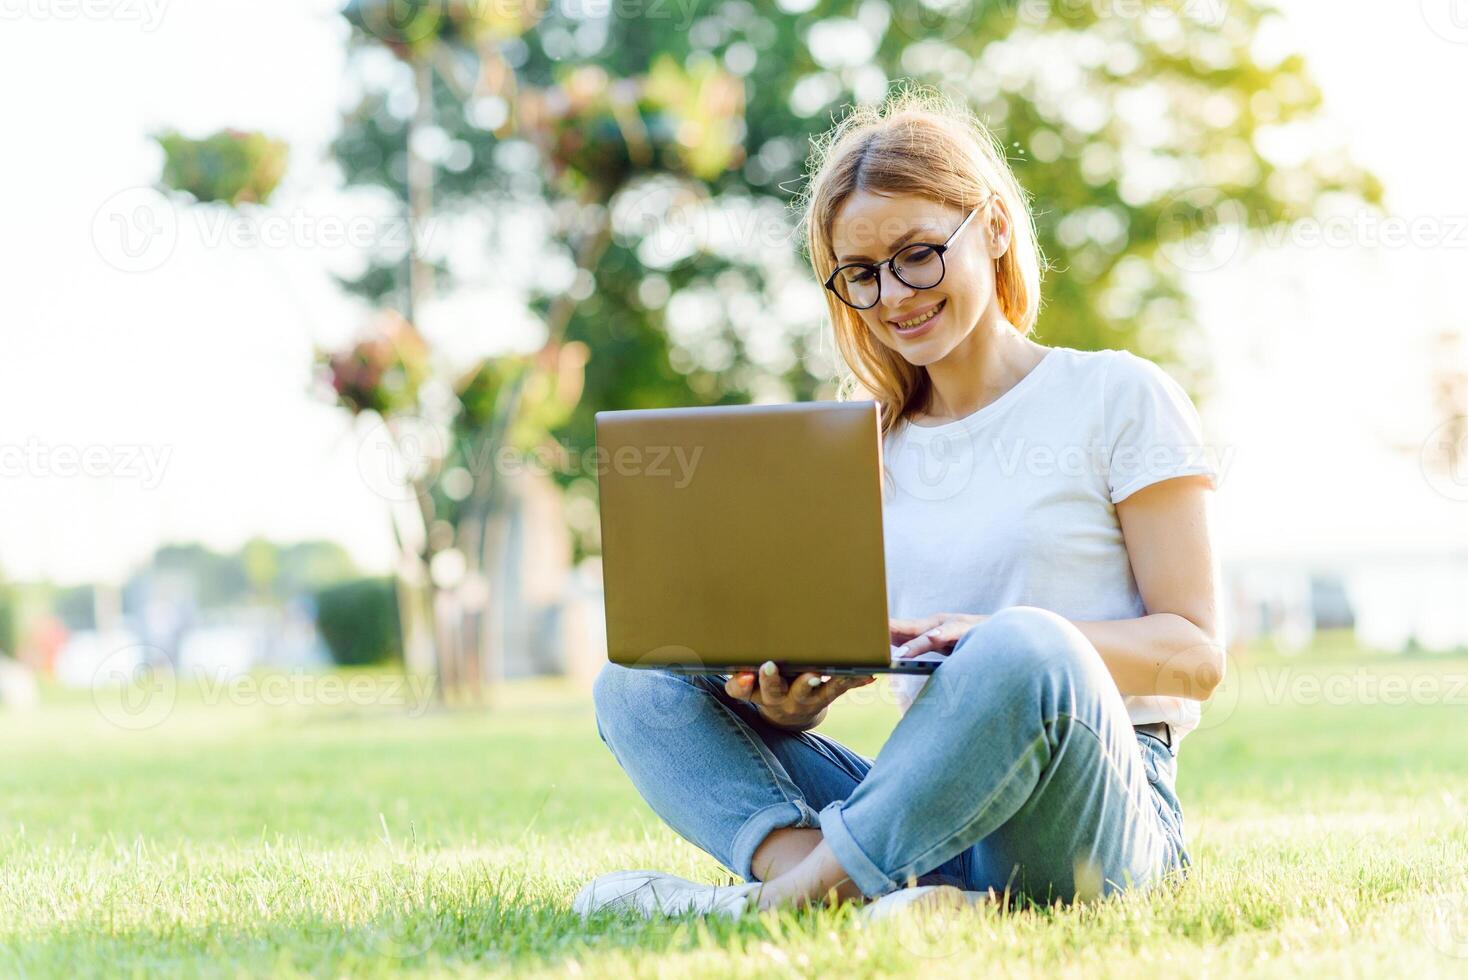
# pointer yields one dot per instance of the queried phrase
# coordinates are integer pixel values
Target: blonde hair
(922, 143)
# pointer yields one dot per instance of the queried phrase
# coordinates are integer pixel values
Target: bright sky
(186, 383)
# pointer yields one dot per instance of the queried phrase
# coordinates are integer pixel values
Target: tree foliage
(1134, 129)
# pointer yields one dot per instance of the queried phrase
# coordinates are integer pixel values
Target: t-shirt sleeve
(1152, 429)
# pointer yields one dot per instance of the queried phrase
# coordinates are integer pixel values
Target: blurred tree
(259, 571)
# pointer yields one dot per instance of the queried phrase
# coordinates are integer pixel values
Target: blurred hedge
(358, 620)
(7, 621)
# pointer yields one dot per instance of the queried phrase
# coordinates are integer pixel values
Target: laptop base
(795, 670)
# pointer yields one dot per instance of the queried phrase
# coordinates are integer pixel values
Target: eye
(919, 253)
(857, 274)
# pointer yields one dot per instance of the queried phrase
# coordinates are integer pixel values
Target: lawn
(250, 834)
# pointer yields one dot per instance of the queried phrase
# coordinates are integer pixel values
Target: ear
(999, 228)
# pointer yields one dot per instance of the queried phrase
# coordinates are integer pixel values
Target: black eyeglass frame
(891, 263)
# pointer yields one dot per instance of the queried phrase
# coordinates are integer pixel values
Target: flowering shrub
(229, 167)
(382, 371)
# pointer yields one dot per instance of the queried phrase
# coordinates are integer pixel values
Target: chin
(921, 351)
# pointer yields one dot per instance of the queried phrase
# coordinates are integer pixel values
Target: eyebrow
(895, 246)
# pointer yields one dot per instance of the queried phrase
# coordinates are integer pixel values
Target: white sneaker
(920, 897)
(652, 893)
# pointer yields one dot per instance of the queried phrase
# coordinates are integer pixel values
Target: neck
(990, 360)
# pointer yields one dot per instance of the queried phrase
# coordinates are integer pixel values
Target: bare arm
(1177, 648)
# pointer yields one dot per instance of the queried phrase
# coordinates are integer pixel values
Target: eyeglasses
(919, 265)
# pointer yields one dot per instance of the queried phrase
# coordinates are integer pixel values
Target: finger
(905, 629)
(772, 687)
(831, 689)
(945, 634)
(740, 685)
(850, 683)
(808, 688)
(917, 646)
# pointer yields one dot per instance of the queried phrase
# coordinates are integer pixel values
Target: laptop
(733, 535)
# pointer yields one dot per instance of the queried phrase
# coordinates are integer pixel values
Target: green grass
(249, 839)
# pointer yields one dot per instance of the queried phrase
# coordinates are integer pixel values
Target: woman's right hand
(795, 705)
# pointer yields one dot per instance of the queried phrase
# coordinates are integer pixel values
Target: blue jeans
(1016, 769)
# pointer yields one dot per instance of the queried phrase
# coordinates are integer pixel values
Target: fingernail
(768, 669)
(902, 650)
(935, 631)
(814, 682)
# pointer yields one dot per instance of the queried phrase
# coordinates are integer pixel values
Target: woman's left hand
(940, 632)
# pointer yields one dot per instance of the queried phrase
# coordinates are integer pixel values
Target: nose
(894, 290)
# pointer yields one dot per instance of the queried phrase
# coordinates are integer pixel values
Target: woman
(1046, 521)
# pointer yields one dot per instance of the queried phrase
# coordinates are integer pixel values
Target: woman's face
(922, 325)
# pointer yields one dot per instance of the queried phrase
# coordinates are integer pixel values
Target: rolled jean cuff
(863, 873)
(758, 827)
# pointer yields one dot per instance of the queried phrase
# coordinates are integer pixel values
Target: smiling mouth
(913, 323)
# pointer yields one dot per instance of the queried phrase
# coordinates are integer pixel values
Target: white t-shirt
(1015, 504)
